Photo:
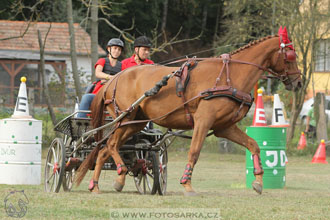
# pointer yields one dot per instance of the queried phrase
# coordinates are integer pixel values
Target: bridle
(288, 56)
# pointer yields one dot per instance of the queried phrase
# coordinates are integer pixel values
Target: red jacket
(128, 62)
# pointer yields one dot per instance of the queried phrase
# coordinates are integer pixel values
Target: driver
(142, 47)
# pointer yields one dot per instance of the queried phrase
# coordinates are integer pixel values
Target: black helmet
(116, 42)
(142, 41)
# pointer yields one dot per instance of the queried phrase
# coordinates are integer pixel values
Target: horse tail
(97, 109)
(86, 165)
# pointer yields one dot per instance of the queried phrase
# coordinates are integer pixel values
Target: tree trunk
(164, 19)
(43, 78)
(94, 35)
(204, 19)
(294, 116)
(320, 117)
(216, 27)
(73, 50)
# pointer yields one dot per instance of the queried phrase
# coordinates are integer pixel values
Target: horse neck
(245, 76)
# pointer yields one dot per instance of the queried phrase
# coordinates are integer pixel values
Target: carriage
(145, 155)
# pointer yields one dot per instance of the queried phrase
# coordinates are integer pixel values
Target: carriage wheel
(55, 164)
(69, 176)
(147, 180)
(162, 172)
(68, 179)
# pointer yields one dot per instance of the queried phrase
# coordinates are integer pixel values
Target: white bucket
(20, 151)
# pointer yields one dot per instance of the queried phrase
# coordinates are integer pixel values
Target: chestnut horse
(209, 110)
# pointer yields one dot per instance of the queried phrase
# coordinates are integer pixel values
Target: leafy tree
(307, 24)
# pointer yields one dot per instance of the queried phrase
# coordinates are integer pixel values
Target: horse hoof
(190, 193)
(118, 187)
(96, 192)
(257, 187)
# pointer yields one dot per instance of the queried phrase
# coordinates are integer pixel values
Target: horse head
(284, 64)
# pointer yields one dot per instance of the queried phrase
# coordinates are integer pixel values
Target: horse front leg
(114, 152)
(112, 149)
(102, 157)
(200, 131)
(236, 135)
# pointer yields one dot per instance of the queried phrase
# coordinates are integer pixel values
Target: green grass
(218, 179)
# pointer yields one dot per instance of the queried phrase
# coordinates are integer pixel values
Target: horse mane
(252, 43)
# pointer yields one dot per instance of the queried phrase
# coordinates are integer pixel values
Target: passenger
(105, 68)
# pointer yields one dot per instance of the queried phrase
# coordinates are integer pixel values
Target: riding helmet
(142, 41)
(116, 42)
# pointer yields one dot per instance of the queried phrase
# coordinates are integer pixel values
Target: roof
(58, 39)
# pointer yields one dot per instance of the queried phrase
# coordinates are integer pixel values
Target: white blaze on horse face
(260, 116)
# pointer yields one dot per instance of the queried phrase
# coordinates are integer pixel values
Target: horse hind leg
(235, 134)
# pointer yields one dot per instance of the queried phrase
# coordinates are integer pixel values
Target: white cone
(22, 105)
(278, 119)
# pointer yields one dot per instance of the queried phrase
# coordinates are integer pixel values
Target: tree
(43, 75)
(73, 52)
(94, 35)
(244, 21)
(164, 17)
(306, 25)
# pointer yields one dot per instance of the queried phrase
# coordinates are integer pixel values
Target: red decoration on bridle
(288, 55)
(283, 34)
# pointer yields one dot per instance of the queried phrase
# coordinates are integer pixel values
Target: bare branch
(44, 44)
(173, 41)
(19, 36)
(129, 38)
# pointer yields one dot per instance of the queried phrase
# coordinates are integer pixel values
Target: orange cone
(259, 118)
(320, 154)
(302, 141)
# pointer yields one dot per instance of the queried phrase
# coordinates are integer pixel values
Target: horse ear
(285, 32)
(280, 31)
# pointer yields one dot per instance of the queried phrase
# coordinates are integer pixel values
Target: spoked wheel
(163, 159)
(69, 175)
(147, 180)
(68, 180)
(55, 166)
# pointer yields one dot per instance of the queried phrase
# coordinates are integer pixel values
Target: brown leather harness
(182, 79)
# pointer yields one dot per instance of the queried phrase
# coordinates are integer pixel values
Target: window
(322, 62)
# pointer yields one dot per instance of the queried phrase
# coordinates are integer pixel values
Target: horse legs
(236, 135)
(112, 149)
(200, 131)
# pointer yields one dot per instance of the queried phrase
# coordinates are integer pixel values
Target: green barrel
(272, 143)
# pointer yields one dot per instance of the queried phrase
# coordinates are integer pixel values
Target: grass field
(218, 179)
